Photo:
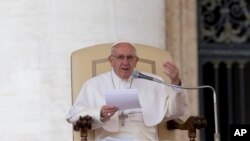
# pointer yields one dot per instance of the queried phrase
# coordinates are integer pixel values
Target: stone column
(181, 40)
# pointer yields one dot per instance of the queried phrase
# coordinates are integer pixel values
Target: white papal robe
(157, 101)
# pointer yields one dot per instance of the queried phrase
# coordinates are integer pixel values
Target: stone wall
(36, 40)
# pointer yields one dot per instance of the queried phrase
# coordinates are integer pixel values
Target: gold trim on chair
(94, 64)
(152, 63)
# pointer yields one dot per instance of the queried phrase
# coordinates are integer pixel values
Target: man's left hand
(171, 70)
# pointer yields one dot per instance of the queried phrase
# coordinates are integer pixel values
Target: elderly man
(157, 101)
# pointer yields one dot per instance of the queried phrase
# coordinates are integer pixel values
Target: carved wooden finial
(83, 125)
(191, 124)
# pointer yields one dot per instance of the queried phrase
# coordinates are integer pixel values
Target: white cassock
(158, 101)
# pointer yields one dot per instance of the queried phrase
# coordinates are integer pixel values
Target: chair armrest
(191, 124)
(83, 125)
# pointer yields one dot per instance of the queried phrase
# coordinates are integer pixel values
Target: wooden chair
(90, 61)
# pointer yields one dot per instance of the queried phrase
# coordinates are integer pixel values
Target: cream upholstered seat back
(90, 61)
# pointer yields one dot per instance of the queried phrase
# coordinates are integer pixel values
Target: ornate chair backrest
(91, 61)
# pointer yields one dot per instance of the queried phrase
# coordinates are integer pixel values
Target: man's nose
(125, 60)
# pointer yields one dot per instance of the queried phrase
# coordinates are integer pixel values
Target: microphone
(137, 74)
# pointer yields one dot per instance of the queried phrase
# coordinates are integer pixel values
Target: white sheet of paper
(123, 98)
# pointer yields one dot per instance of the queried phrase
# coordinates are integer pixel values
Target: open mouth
(125, 69)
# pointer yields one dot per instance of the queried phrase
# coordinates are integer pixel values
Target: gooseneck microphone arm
(137, 74)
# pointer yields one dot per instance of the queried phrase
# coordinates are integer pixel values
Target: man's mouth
(125, 69)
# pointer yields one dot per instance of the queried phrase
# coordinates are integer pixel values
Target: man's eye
(120, 57)
(130, 57)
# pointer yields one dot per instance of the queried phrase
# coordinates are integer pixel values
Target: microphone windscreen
(135, 74)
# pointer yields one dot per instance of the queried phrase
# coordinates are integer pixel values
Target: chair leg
(192, 139)
(84, 135)
(192, 132)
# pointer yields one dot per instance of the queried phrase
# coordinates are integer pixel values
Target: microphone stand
(216, 134)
